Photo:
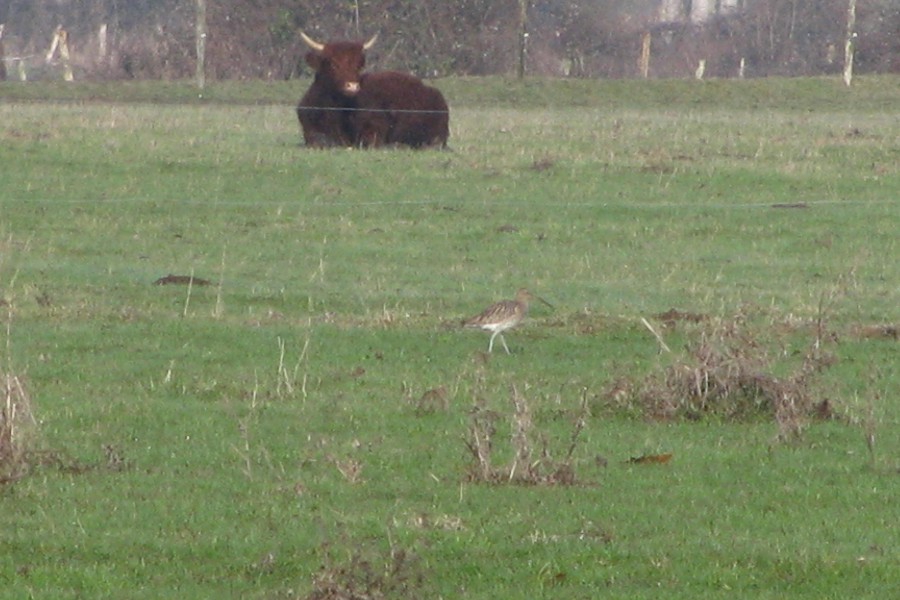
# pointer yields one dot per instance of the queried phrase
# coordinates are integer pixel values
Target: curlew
(503, 315)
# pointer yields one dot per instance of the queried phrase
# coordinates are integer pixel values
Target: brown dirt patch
(181, 280)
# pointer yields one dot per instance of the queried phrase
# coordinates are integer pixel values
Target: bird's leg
(505, 347)
(491, 344)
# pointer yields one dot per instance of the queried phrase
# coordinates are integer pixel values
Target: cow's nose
(351, 87)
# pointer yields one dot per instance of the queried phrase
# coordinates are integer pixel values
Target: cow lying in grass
(345, 107)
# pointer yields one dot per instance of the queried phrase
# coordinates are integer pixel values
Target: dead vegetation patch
(439, 522)
(543, 163)
(728, 369)
(171, 279)
(432, 401)
(673, 316)
(17, 425)
(18, 436)
(886, 332)
(368, 575)
(533, 462)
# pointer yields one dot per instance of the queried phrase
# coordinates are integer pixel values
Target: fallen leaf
(651, 459)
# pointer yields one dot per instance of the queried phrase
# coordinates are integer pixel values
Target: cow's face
(339, 63)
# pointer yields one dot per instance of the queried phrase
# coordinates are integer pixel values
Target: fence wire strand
(637, 206)
(367, 110)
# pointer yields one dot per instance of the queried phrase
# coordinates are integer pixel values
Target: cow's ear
(314, 60)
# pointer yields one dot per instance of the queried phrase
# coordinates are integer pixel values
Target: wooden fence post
(61, 43)
(851, 42)
(201, 44)
(2, 55)
(701, 69)
(644, 64)
(101, 43)
(523, 36)
(64, 55)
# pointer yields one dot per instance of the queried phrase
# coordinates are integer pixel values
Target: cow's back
(397, 108)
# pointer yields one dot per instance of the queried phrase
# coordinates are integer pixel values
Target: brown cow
(396, 108)
(324, 111)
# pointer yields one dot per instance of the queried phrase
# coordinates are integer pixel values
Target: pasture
(306, 419)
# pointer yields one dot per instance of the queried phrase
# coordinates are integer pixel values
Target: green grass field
(302, 426)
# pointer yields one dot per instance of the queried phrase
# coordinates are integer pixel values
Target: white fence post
(101, 42)
(523, 37)
(201, 43)
(61, 43)
(644, 63)
(54, 44)
(2, 55)
(64, 55)
(851, 42)
(701, 69)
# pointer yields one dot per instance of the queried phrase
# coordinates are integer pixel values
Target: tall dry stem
(16, 425)
(870, 423)
(522, 424)
(287, 379)
(187, 300)
(219, 309)
(580, 422)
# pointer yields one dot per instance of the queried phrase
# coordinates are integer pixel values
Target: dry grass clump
(365, 577)
(16, 425)
(728, 371)
(18, 430)
(433, 400)
(529, 466)
(882, 331)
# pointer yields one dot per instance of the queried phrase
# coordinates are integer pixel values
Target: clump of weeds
(19, 432)
(366, 574)
(17, 425)
(532, 462)
(728, 369)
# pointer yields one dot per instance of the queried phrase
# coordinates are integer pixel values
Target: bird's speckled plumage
(500, 316)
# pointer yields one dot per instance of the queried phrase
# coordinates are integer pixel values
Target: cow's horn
(312, 43)
(371, 42)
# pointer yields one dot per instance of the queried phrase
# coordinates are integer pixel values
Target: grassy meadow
(709, 409)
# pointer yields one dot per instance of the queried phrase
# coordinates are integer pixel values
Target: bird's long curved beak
(539, 299)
